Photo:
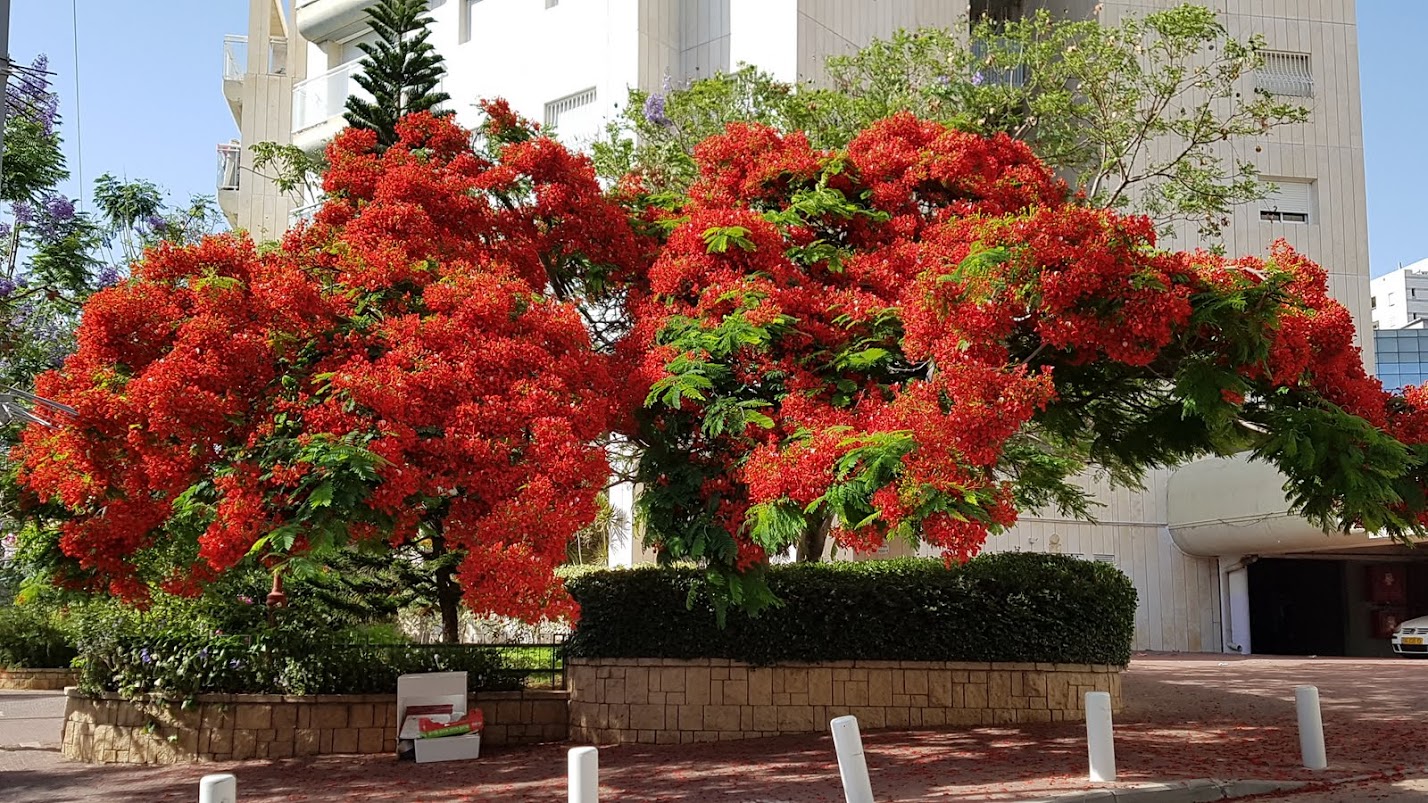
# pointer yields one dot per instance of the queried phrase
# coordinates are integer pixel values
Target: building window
(1285, 74)
(995, 10)
(1288, 203)
(1373, 302)
(555, 109)
(1010, 73)
(468, 8)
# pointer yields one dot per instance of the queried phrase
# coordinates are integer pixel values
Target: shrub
(34, 638)
(167, 650)
(1002, 607)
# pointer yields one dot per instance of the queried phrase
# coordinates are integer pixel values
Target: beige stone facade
(36, 679)
(231, 727)
(665, 701)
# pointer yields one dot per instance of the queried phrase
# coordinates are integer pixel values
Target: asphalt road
(30, 718)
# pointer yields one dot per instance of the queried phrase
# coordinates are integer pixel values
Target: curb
(1196, 791)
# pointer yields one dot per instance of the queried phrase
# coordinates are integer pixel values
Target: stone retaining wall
(664, 701)
(224, 727)
(37, 679)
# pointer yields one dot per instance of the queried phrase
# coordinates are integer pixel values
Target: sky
(150, 87)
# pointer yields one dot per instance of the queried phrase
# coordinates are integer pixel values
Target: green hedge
(33, 638)
(1002, 607)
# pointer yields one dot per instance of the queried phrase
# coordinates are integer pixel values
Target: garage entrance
(1333, 606)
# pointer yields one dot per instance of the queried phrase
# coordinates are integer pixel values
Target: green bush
(168, 650)
(1002, 607)
(34, 638)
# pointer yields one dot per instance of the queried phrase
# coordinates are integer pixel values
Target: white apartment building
(1219, 563)
(1399, 300)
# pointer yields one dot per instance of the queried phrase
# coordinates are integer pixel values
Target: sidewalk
(1186, 717)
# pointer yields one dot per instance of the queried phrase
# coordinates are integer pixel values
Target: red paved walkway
(1186, 717)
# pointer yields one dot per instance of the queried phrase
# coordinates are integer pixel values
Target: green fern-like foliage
(400, 72)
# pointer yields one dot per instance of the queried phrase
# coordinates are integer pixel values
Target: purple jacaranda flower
(978, 79)
(157, 224)
(654, 110)
(53, 217)
(144, 656)
(28, 95)
(107, 276)
(6, 287)
(203, 653)
(59, 207)
(23, 212)
(944, 80)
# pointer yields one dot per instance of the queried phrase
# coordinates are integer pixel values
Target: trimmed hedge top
(1015, 607)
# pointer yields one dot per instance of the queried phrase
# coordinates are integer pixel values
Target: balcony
(318, 103)
(230, 158)
(236, 65)
(326, 20)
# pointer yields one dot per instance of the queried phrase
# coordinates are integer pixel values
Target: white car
(1411, 637)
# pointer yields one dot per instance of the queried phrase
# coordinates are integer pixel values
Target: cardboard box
(437, 689)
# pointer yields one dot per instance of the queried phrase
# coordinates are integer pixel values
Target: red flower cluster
(414, 318)
(910, 302)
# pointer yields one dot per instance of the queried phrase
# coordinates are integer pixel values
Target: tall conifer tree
(401, 70)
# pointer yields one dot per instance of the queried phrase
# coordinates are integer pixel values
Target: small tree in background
(400, 72)
(1154, 115)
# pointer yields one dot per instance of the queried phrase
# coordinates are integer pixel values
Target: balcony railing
(323, 97)
(235, 57)
(230, 155)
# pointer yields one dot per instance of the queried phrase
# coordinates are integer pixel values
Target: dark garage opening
(1297, 607)
(1330, 606)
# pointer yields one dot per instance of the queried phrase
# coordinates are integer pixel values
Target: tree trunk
(448, 594)
(814, 539)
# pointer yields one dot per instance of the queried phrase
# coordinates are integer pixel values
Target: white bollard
(584, 775)
(1100, 740)
(220, 788)
(1311, 728)
(852, 764)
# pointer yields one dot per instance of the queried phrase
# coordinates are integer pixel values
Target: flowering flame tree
(913, 337)
(922, 334)
(403, 371)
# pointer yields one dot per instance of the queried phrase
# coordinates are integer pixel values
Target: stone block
(796, 719)
(721, 717)
(999, 691)
(974, 696)
(897, 717)
(329, 716)
(306, 742)
(647, 717)
(370, 740)
(345, 740)
(795, 680)
(612, 691)
(671, 679)
(637, 686)
(735, 692)
(914, 681)
(245, 744)
(284, 716)
(855, 693)
(361, 715)
(253, 716)
(879, 688)
(765, 718)
(870, 716)
(820, 686)
(696, 685)
(761, 686)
